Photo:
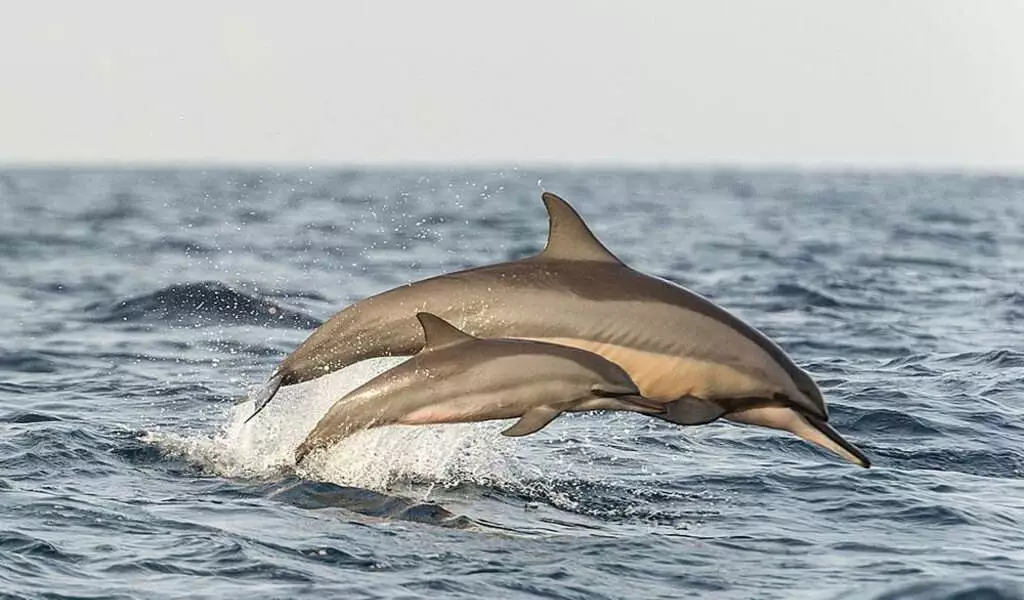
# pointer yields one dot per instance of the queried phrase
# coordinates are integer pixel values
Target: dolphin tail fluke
(266, 394)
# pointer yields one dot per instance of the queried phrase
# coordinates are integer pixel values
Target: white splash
(374, 459)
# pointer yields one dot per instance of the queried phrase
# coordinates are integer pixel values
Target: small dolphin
(459, 378)
(678, 347)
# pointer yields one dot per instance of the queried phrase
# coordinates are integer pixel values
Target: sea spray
(375, 459)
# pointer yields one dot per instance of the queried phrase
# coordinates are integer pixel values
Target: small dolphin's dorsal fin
(439, 333)
(569, 238)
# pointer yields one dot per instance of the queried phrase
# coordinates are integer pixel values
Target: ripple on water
(935, 588)
(1002, 463)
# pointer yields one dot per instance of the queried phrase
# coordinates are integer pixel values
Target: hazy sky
(908, 83)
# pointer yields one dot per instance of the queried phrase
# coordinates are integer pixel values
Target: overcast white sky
(927, 83)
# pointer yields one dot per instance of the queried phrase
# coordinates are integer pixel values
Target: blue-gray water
(138, 306)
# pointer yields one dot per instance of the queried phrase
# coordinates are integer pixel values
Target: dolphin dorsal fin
(439, 333)
(569, 238)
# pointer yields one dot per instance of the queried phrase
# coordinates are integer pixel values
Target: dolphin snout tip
(863, 461)
(842, 447)
(302, 452)
(859, 460)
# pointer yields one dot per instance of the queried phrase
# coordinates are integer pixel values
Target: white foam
(374, 459)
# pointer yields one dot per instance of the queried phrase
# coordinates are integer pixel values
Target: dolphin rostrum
(459, 378)
(678, 347)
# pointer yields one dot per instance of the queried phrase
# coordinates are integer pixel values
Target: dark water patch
(772, 546)
(539, 589)
(890, 261)
(947, 236)
(189, 389)
(338, 557)
(27, 417)
(860, 506)
(444, 586)
(846, 346)
(325, 228)
(959, 588)
(933, 515)
(435, 218)
(319, 495)
(295, 294)
(12, 387)
(139, 453)
(241, 350)
(70, 287)
(255, 570)
(28, 546)
(1002, 358)
(1014, 300)
(941, 216)
(604, 501)
(912, 365)
(200, 304)
(871, 548)
(251, 216)
(998, 462)
(86, 596)
(64, 510)
(821, 247)
(803, 296)
(997, 419)
(24, 245)
(41, 449)
(178, 245)
(122, 206)
(28, 361)
(893, 422)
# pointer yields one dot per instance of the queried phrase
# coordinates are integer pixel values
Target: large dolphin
(680, 348)
(458, 378)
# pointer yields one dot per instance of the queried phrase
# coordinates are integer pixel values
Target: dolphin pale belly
(678, 347)
(459, 378)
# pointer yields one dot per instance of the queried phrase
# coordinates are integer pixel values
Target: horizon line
(823, 167)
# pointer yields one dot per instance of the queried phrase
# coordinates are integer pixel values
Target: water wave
(934, 588)
(200, 304)
(126, 470)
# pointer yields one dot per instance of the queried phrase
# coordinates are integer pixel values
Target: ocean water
(140, 307)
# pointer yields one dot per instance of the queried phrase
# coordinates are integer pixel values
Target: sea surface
(141, 307)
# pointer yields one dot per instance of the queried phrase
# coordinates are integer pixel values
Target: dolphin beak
(838, 445)
(302, 452)
(265, 394)
(804, 426)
